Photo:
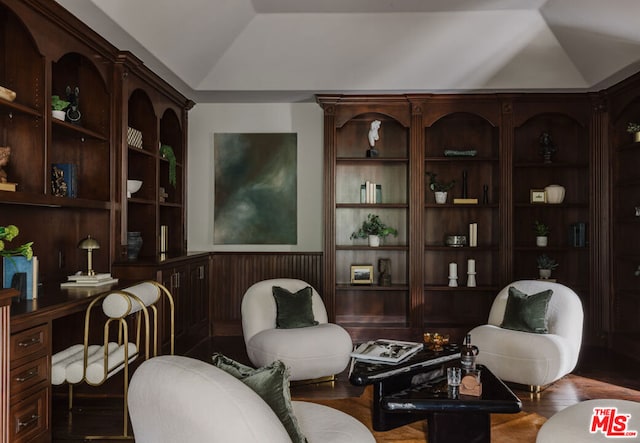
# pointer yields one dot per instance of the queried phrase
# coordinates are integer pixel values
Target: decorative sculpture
(547, 147)
(384, 269)
(5, 153)
(73, 110)
(373, 138)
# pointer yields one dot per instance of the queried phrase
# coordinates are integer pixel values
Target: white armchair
(530, 358)
(180, 399)
(310, 352)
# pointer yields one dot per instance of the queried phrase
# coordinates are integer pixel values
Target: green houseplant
(8, 233)
(542, 233)
(439, 188)
(167, 152)
(546, 264)
(374, 229)
(58, 106)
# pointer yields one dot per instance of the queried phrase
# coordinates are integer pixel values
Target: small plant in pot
(373, 229)
(545, 265)
(542, 233)
(439, 189)
(634, 128)
(58, 107)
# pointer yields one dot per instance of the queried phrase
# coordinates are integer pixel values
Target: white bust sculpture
(373, 133)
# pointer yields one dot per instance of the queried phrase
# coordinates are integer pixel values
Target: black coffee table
(404, 396)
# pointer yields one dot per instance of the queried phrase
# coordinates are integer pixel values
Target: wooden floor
(600, 374)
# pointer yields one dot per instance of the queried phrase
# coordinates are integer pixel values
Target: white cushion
(308, 353)
(322, 424)
(574, 423)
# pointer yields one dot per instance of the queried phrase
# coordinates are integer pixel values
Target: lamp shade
(88, 243)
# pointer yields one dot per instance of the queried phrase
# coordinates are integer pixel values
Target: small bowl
(133, 186)
(456, 241)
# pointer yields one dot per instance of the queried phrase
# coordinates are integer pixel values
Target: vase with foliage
(7, 234)
(58, 107)
(440, 189)
(542, 233)
(634, 128)
(546, 264)
(374, 229)
(167, 152)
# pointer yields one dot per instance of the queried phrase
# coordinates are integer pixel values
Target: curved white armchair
(180, 399)
(310, 352)
(529, 358)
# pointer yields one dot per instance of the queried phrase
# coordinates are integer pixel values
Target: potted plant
(58, 107)
(166, 151)
(542, 233)
(373, 229)
(439, 188)
(8, 233)
(634, 128)
(545, 265)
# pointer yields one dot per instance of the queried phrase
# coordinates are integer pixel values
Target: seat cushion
(308, 353)
(322, 424)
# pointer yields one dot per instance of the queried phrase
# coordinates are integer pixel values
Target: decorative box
(134, 137)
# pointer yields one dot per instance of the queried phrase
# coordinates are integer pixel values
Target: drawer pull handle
(27, 375)
(23, 424)
(32, 341)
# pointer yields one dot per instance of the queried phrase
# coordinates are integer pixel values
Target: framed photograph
(361, 274)
(538, 196)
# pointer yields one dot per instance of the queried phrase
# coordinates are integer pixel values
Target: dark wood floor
(600, 374)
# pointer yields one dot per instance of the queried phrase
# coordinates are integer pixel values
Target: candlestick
(453, 274)
(471, 273)
(471, 266)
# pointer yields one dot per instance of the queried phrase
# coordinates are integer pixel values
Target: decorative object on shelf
(578, 235)
(473, 235)
(435, 341)
(167, 152)
(542, 233)
(637, 208)
(384, 272)
(448, 152)
(547, 147)
(361, 274)
(465, 191)
(164, 238)
(555, 194)
(373, 138)
(453, 274)
(455, 240)
(5, 154)
(538, 196)
(7, 94)
(89, 244)
(439, 188)
(370, 192)
(134, 137)
(64, 180)
(546, 264)
(73, 110)
(373, 229)
(163, 195)
(18, 261)
(7, 234)
(134, 244)
(634, 128)
(58, 107)
(471, 273)
(133, 186)
(637, 273)
(485, 194)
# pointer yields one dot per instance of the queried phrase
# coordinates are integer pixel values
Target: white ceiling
(288, 50)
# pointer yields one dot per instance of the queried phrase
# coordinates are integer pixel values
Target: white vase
(374, 241)
(555, 194)
(58, 114)
(542, 241)
(441, 197)
(545, 273)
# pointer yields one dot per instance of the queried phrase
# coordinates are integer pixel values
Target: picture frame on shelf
(361, 274)
(538, 196)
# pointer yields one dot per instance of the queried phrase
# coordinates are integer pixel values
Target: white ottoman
(574, 423)
(309, 353)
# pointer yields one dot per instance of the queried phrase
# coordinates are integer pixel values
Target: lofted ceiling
(288, 50)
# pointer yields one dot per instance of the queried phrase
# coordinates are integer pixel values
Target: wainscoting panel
(232, 273)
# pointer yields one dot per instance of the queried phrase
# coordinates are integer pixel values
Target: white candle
(471, 266)
(453, 270)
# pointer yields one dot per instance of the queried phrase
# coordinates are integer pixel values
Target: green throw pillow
(294, 309)
(272, 384)
(527, 313)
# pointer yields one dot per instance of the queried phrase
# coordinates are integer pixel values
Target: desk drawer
(28, 418)
(30, 342)
(29, 375)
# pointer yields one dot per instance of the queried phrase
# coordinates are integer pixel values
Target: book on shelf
(89, 278)
(88, 283)
(370, 193)
(390, 351)
(21, 274)
(64, 180)
(8, 187)
(465, 201)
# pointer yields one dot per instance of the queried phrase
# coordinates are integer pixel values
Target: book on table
(390, 351)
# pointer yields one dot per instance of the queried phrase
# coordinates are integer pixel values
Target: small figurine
(73, 110)
(384, 269)
(5, 153)
(58, 185)
(547, 147)
(373, 138)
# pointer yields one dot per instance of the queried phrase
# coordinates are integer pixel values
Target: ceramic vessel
(133, 186)
(555, 194)
(545, 273)
(542, 241)
(60, 115)
(441, 197)
(374, 241)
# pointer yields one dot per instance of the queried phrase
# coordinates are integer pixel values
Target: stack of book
(88, 281)
(370, 193)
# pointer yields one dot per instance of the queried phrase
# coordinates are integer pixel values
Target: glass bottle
(468, 355)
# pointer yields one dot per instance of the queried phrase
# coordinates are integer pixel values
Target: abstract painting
(255, 188)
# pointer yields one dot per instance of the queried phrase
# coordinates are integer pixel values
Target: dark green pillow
(272, 384)
(295, 310)
(527, 313)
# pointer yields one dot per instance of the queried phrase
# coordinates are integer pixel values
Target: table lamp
(89, 244)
